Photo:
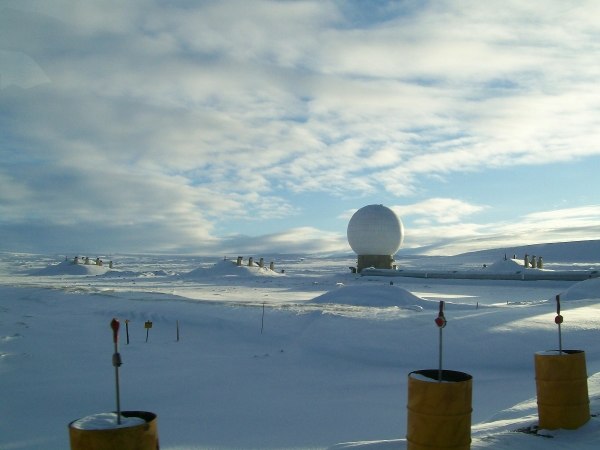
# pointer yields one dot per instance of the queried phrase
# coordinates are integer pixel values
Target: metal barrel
(143, 436)
(439, 411)
(562, 391)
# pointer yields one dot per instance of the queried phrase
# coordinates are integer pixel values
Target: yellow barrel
(439, 413)
(562, 391)
(87, 434)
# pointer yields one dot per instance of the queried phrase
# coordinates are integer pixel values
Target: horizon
(554, 252)
(229, 127)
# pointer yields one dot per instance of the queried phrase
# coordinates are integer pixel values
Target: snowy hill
(562, 252)
(70, 268)
(506, 266)
(374, 296)
(228, 268)
(588, 289)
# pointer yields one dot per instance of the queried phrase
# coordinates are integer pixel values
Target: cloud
(562, 225)
(301, 240)
(184, 116)
(438, 210)
(18, 69)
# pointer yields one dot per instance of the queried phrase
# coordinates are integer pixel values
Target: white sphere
(375, 230)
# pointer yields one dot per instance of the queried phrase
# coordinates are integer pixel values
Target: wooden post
(147, 326)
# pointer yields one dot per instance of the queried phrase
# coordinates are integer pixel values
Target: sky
(239, 127)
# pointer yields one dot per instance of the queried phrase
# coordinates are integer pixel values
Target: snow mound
(132, 274)
(587, 289)
(121, 274)
(506, 266)
(70, 268)
(374, 295)
(228, 268)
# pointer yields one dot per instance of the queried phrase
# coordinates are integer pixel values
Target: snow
(557, 352)
(507, 266)
(106, 421)
(70, 268)
(325, 366)
(582, 290)
(373, 295)
(230, 268)
(421, 377)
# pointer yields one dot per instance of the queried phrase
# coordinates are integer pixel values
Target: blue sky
(236, 127)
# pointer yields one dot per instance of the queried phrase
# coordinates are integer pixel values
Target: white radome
(375, 230)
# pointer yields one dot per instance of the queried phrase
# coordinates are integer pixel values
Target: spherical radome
(375, 230)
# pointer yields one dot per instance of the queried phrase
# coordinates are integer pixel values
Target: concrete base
(376, 261)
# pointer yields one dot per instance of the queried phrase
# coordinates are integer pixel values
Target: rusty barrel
(562, 391)
(439, 411)
(138, 431)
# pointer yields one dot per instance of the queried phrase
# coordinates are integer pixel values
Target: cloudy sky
(239, 127)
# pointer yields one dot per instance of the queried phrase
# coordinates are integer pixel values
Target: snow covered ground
(324, 366)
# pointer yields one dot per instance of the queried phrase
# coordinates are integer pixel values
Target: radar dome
(375, 230)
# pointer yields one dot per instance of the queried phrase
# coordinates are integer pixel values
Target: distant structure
(375, 233)
(261, 262)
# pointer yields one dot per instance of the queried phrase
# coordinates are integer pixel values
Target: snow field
(322, 373)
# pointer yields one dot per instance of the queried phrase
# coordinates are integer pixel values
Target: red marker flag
(440, 320)
(114, 324)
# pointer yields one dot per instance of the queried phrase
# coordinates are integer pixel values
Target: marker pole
(116, 360)
(440, 321)
(558, 320)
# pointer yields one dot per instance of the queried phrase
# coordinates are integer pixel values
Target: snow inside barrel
(375, 233)
(137, 431)
(439, 410)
